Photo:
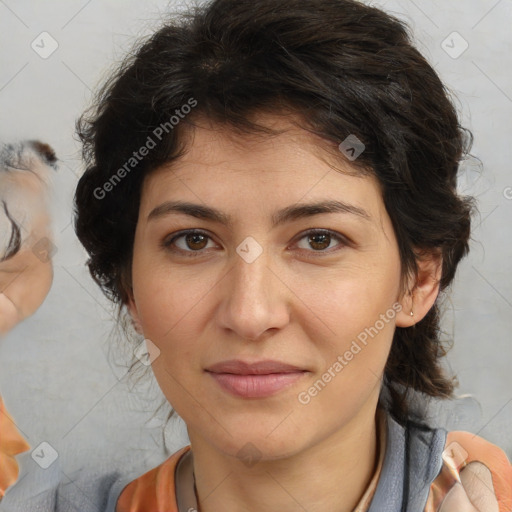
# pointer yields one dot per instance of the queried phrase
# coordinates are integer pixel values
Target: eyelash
(167, 243)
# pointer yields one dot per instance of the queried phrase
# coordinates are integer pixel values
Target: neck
(332, 474)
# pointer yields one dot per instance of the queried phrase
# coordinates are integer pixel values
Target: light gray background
(56, 375)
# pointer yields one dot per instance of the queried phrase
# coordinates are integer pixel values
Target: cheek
(344, 303)
(353, 356)
(171, 307)
(167, 299)
(352, 327)
(172, 320)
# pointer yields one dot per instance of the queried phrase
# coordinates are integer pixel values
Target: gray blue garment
(412, 461)
(53, 490)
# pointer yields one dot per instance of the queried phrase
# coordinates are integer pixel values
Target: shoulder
(448, 471)
(463, 448)
(154, 490)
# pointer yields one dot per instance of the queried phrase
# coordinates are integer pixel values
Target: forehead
(207, 140)
(286, 131)
(219, 162)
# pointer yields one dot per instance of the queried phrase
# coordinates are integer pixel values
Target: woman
(271, 194)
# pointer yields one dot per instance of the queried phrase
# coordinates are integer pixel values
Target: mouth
(255, 380)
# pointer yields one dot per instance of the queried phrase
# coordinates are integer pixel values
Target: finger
(477, 481)
(457, 500)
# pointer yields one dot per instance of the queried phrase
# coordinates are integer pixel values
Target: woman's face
(318, 291)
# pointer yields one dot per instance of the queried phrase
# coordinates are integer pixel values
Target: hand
(475, 492)
(9, 315)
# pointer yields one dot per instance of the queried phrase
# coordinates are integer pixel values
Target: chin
(258, 445)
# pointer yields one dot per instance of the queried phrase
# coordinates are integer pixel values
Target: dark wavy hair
(341, 67)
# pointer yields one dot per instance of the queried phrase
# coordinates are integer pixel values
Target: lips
(267, 366)
(255, 380)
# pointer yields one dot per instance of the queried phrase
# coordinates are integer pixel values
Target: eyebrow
(287, 214)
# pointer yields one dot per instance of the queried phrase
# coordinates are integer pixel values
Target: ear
(134, 313)
(423, 289)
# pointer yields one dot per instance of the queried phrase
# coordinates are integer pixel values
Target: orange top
(155, 491)
(11, 443)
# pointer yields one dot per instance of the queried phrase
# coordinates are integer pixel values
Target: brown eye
(320, 240)
(193, 242)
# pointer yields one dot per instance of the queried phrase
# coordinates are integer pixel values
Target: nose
(254, 298)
